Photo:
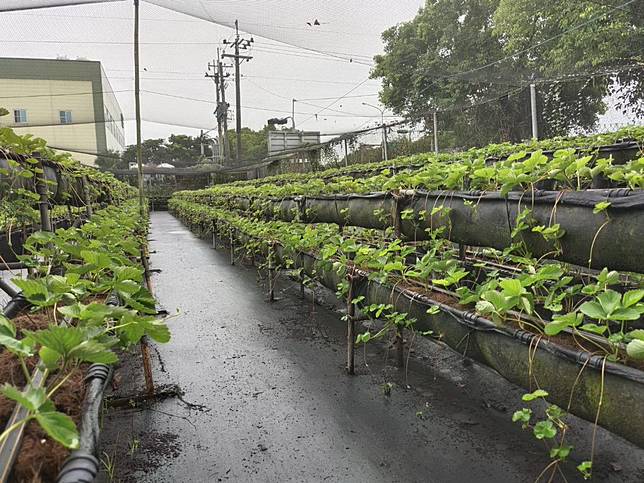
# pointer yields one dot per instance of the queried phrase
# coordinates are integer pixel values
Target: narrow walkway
(279, 406)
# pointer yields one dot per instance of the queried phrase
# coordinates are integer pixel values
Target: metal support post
(533, 111)
(435, 132)
(351, 327)
(271, 273)
(385, 151)
(346, 153)
(232, 246)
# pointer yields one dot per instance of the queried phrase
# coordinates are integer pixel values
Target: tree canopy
(457, 53)
(182, 151)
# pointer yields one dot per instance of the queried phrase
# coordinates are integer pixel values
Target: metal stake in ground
(214, 234)
(145, 352)
(232, 246)
(351, 326)
(271, 272)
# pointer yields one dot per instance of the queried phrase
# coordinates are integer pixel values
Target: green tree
(254, 143)
(434, 62)
(182, 150)
(152, 152)
(111, 160)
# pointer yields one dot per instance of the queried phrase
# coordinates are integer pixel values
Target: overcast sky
(177, 47)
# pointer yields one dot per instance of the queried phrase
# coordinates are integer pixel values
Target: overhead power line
(336, 100)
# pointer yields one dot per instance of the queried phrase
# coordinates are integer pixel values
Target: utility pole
(293, 113)
(215, 77)
(435, 133)
(533, 110)
(223, 112)
(243, 44)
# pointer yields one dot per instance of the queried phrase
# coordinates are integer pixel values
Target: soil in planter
(40, 458)
(575, 342)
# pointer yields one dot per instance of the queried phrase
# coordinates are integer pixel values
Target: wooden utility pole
(242, 44)
(218, 109)
(224, 110)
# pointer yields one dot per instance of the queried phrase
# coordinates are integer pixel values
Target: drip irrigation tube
(7, 288)
(82, 465)
(575, 379)
(17, 303)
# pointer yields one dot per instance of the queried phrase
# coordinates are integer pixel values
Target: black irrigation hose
(12, 266)
(82, 465)
(474, 321)
(580, 357)
(15, 306)
(7, 288)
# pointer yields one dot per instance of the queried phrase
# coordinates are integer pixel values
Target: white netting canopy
(313, 51)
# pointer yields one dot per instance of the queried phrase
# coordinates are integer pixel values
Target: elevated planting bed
(575, 379)
(610, 238)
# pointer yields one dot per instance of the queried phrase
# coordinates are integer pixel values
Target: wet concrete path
(278, 406)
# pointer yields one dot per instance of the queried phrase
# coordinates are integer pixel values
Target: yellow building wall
(43, 100)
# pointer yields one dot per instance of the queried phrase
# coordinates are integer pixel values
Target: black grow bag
(63, 187)
(560, 370)
(11, 244)
(486, 219)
